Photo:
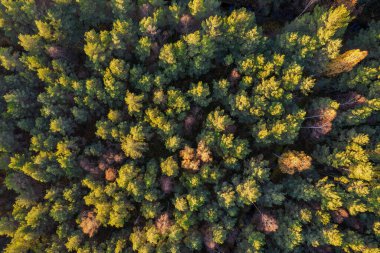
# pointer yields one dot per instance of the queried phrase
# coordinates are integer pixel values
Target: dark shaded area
(3, 242)
(273, 15)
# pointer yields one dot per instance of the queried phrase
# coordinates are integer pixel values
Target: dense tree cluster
(185, 126)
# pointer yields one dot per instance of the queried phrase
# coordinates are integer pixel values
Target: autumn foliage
(189, 126)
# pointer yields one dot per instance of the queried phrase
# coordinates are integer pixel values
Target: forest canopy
(189, 126)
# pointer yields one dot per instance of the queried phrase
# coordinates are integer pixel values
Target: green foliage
(199, 93)
(201, 8)
(169, 166)
(134, 143)
(189, 126)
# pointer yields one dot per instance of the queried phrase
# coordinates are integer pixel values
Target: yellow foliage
(294, 161)
(345, 62)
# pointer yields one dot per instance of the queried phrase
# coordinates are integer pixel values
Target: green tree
(134, 144)
(189, 126)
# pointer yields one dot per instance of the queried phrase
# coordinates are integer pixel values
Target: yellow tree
(345, 62)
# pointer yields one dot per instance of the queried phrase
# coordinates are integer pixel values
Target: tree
(353, 158)
(89, 224)
(133, 102)
(134, 143)
(248, 192)
(114, 77)
(169, 166)
(218, 121)
(323, 112)
(97, 46)
(265, 222)
(328, 27)
(345, 62)
(143, 48)
(158, 120)
(201, 8)
(193, 159)
(199, 93)
(250, 240)
(163, 223)
(176, 102)
(121, 8)
(294, 161)
(289, 235)
(189, 126)
(166, 184)
(123, 36)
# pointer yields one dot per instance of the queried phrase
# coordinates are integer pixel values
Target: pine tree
(189, 126)
(294, 161)
(345, 62)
